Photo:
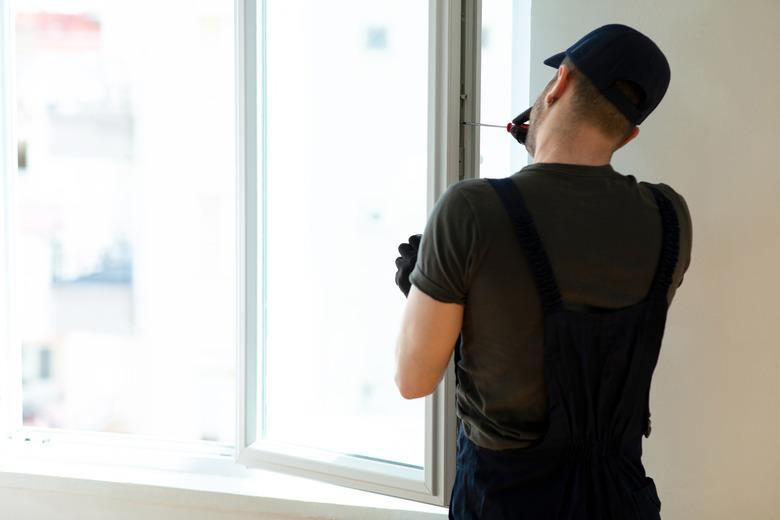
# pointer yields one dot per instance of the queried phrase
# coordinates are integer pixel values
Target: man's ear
(629, 138)
(561, 82)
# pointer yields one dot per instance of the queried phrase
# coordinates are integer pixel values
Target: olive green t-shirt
(602, 233)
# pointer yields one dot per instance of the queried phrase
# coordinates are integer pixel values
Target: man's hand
(405, 263)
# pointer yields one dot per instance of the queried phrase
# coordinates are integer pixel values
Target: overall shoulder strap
(670, 246)
(664, 272)
(530, 242)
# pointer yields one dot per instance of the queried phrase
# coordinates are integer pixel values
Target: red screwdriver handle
(519, 126)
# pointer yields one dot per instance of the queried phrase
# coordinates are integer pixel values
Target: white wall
(715, 399)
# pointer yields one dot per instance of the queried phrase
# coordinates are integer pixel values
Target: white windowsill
(209, 482)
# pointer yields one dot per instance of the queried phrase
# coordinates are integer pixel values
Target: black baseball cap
(618, 52)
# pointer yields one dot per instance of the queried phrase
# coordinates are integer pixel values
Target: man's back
(602, 232)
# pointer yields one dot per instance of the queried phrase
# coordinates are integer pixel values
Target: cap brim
(555, 60)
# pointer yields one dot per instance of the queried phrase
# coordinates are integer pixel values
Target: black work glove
(405, 263)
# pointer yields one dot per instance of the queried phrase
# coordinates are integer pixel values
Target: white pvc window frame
(446, 99)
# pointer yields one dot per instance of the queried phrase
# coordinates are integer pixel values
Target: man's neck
(582, 146)
(572, 154)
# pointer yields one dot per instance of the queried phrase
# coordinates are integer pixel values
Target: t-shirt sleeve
(686, 231)
(686, 239)
(448, 254)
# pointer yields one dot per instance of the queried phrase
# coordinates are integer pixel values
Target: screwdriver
(507, 126)
(518, 127)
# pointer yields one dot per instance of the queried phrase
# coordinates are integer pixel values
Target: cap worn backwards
(618, 52)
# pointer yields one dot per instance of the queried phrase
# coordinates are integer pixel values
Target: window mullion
(471, 53)
(451, 41)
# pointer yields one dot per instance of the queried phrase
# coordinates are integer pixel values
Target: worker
(553, 285)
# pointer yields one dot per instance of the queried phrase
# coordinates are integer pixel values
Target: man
(558, 279)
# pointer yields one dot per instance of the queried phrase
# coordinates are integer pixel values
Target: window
(122, 232)
(199, 226)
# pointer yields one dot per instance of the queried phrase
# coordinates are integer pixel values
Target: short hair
(589, 104)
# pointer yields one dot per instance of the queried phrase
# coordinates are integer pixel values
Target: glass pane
(505, 59)
(126, 189)
(346, 183)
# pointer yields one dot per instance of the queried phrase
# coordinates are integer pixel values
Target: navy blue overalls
(598, 365)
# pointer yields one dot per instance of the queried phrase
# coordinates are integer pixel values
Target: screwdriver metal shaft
(483, 124)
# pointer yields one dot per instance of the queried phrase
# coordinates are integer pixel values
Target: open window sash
(431, 483)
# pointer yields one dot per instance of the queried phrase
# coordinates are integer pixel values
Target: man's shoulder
(470, 190)
(675, 197)
(479, 192)
(474, 190)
